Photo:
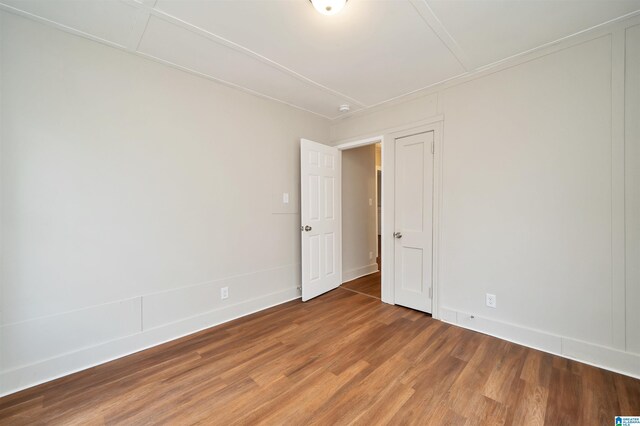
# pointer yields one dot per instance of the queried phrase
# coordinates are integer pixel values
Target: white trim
(378, 206)
(132, 46)
(72, 362)
(576, 35)
(432, 21)
(580, 37)
(361, 108)
(588, 353)
(61, 27)
(386, 138)
(238, 48)
(359, 143)
(438, 149)
(226, 83)
(356, 273)
(433, 124)
(356, 143)
(377, 136)
(618, 237)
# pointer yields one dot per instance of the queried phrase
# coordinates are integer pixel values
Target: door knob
(307, 228)
(397, 234)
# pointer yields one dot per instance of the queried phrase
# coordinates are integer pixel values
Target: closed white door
(414, 221)
(320, 170)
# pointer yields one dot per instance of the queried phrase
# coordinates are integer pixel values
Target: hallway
(369, 285)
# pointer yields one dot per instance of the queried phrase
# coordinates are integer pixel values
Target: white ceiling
(371, 52)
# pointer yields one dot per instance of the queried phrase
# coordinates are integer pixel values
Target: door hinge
(433, 147)
(430, 292)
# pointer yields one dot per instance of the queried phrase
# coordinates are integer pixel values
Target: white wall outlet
(285, 198)
(370, 255)
(224, 293)
(370, 201)
(491, 300)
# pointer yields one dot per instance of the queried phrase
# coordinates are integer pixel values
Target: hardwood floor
(341, 358)
(368, 285)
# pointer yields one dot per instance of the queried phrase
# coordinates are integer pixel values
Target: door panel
(412, 272)
(411, 157)
(329, 197)
(320, 170)
(414, 221)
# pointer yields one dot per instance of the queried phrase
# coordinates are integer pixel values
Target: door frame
(387, 139)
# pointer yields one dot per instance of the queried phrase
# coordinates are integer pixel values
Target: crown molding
(597, 31)
(238, 48)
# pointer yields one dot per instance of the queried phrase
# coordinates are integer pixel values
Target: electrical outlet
(491, 300)
(370, 255)
(224, 293)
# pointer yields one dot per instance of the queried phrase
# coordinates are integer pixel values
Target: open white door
(414, 221)
(320, 198)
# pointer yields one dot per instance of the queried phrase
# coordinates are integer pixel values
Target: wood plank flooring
(342, 358)
(369, 285)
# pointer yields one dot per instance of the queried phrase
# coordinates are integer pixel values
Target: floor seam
(359, 292)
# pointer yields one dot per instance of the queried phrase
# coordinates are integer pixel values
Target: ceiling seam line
(241, 49)
(228, 84)
(561, 39)
(28, 15)
(146, 25)
(489, 68)
(113, 45)
(455, 52)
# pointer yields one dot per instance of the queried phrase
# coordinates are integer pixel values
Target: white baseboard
(626, 363)
(35, 373)
(79, 352)
(359, 272)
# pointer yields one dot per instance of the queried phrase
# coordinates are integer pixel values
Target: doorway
(321, 221)
(361, 213)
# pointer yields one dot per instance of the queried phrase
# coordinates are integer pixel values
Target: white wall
(131, 192)
(533, 196)
(632, 182)
(359, 235)
(527, 194)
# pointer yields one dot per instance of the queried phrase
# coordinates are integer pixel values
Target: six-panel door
(320, 168)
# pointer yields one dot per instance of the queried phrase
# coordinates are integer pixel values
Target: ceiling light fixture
(328, 7)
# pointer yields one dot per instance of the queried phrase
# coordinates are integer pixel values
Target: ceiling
(371, 52)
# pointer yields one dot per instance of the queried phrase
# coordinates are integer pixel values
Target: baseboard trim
(27, 376)
(47, 370)
(588, 353)
(359, 272)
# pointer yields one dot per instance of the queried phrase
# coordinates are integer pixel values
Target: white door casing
(413, 247)
(320, 198)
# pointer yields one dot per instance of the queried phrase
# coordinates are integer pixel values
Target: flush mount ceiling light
(328, 7)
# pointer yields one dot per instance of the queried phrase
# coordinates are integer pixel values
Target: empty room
(321, 212)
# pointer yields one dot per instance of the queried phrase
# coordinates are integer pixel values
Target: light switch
(285, 197)
(370, 201)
